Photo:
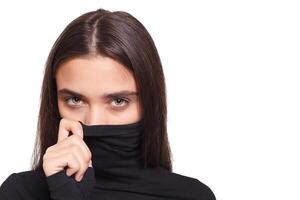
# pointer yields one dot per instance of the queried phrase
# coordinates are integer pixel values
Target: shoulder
(199, 188)
(189, 186)
(25, 185)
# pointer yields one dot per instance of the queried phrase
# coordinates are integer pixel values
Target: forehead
(90, 75)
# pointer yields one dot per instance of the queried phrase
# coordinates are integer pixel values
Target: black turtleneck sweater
(117, 174)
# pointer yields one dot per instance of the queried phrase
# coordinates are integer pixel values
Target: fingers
(77, 158)
(69, 151)
(76, 145)
(67, 125)
(80, 166)
(70, 142)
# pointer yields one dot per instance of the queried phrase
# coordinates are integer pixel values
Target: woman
(102, 122)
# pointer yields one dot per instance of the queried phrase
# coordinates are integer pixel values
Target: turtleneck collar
(118, 171)
(114, 148)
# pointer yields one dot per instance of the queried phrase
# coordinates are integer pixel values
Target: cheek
(66, 112)
(130, 115)
(60, 108)
(136, 113)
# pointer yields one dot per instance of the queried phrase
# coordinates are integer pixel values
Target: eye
(120, 102)
(74, 100)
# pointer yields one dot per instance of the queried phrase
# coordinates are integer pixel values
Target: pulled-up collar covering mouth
(118, 171)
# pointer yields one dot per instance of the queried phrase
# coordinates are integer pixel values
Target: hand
(70, 151)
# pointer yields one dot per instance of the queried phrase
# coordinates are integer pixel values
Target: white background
(232, 75)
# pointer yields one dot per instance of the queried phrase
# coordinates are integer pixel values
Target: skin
(92, 78)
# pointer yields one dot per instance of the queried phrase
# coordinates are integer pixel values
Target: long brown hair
(122, 37)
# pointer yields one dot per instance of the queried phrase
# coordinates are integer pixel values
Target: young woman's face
(97, 91)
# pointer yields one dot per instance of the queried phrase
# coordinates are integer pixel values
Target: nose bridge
(96, 115)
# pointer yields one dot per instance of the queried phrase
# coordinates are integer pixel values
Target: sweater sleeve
(64, 187)
(8, 189)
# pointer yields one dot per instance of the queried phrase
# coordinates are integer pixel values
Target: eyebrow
(122, 93)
